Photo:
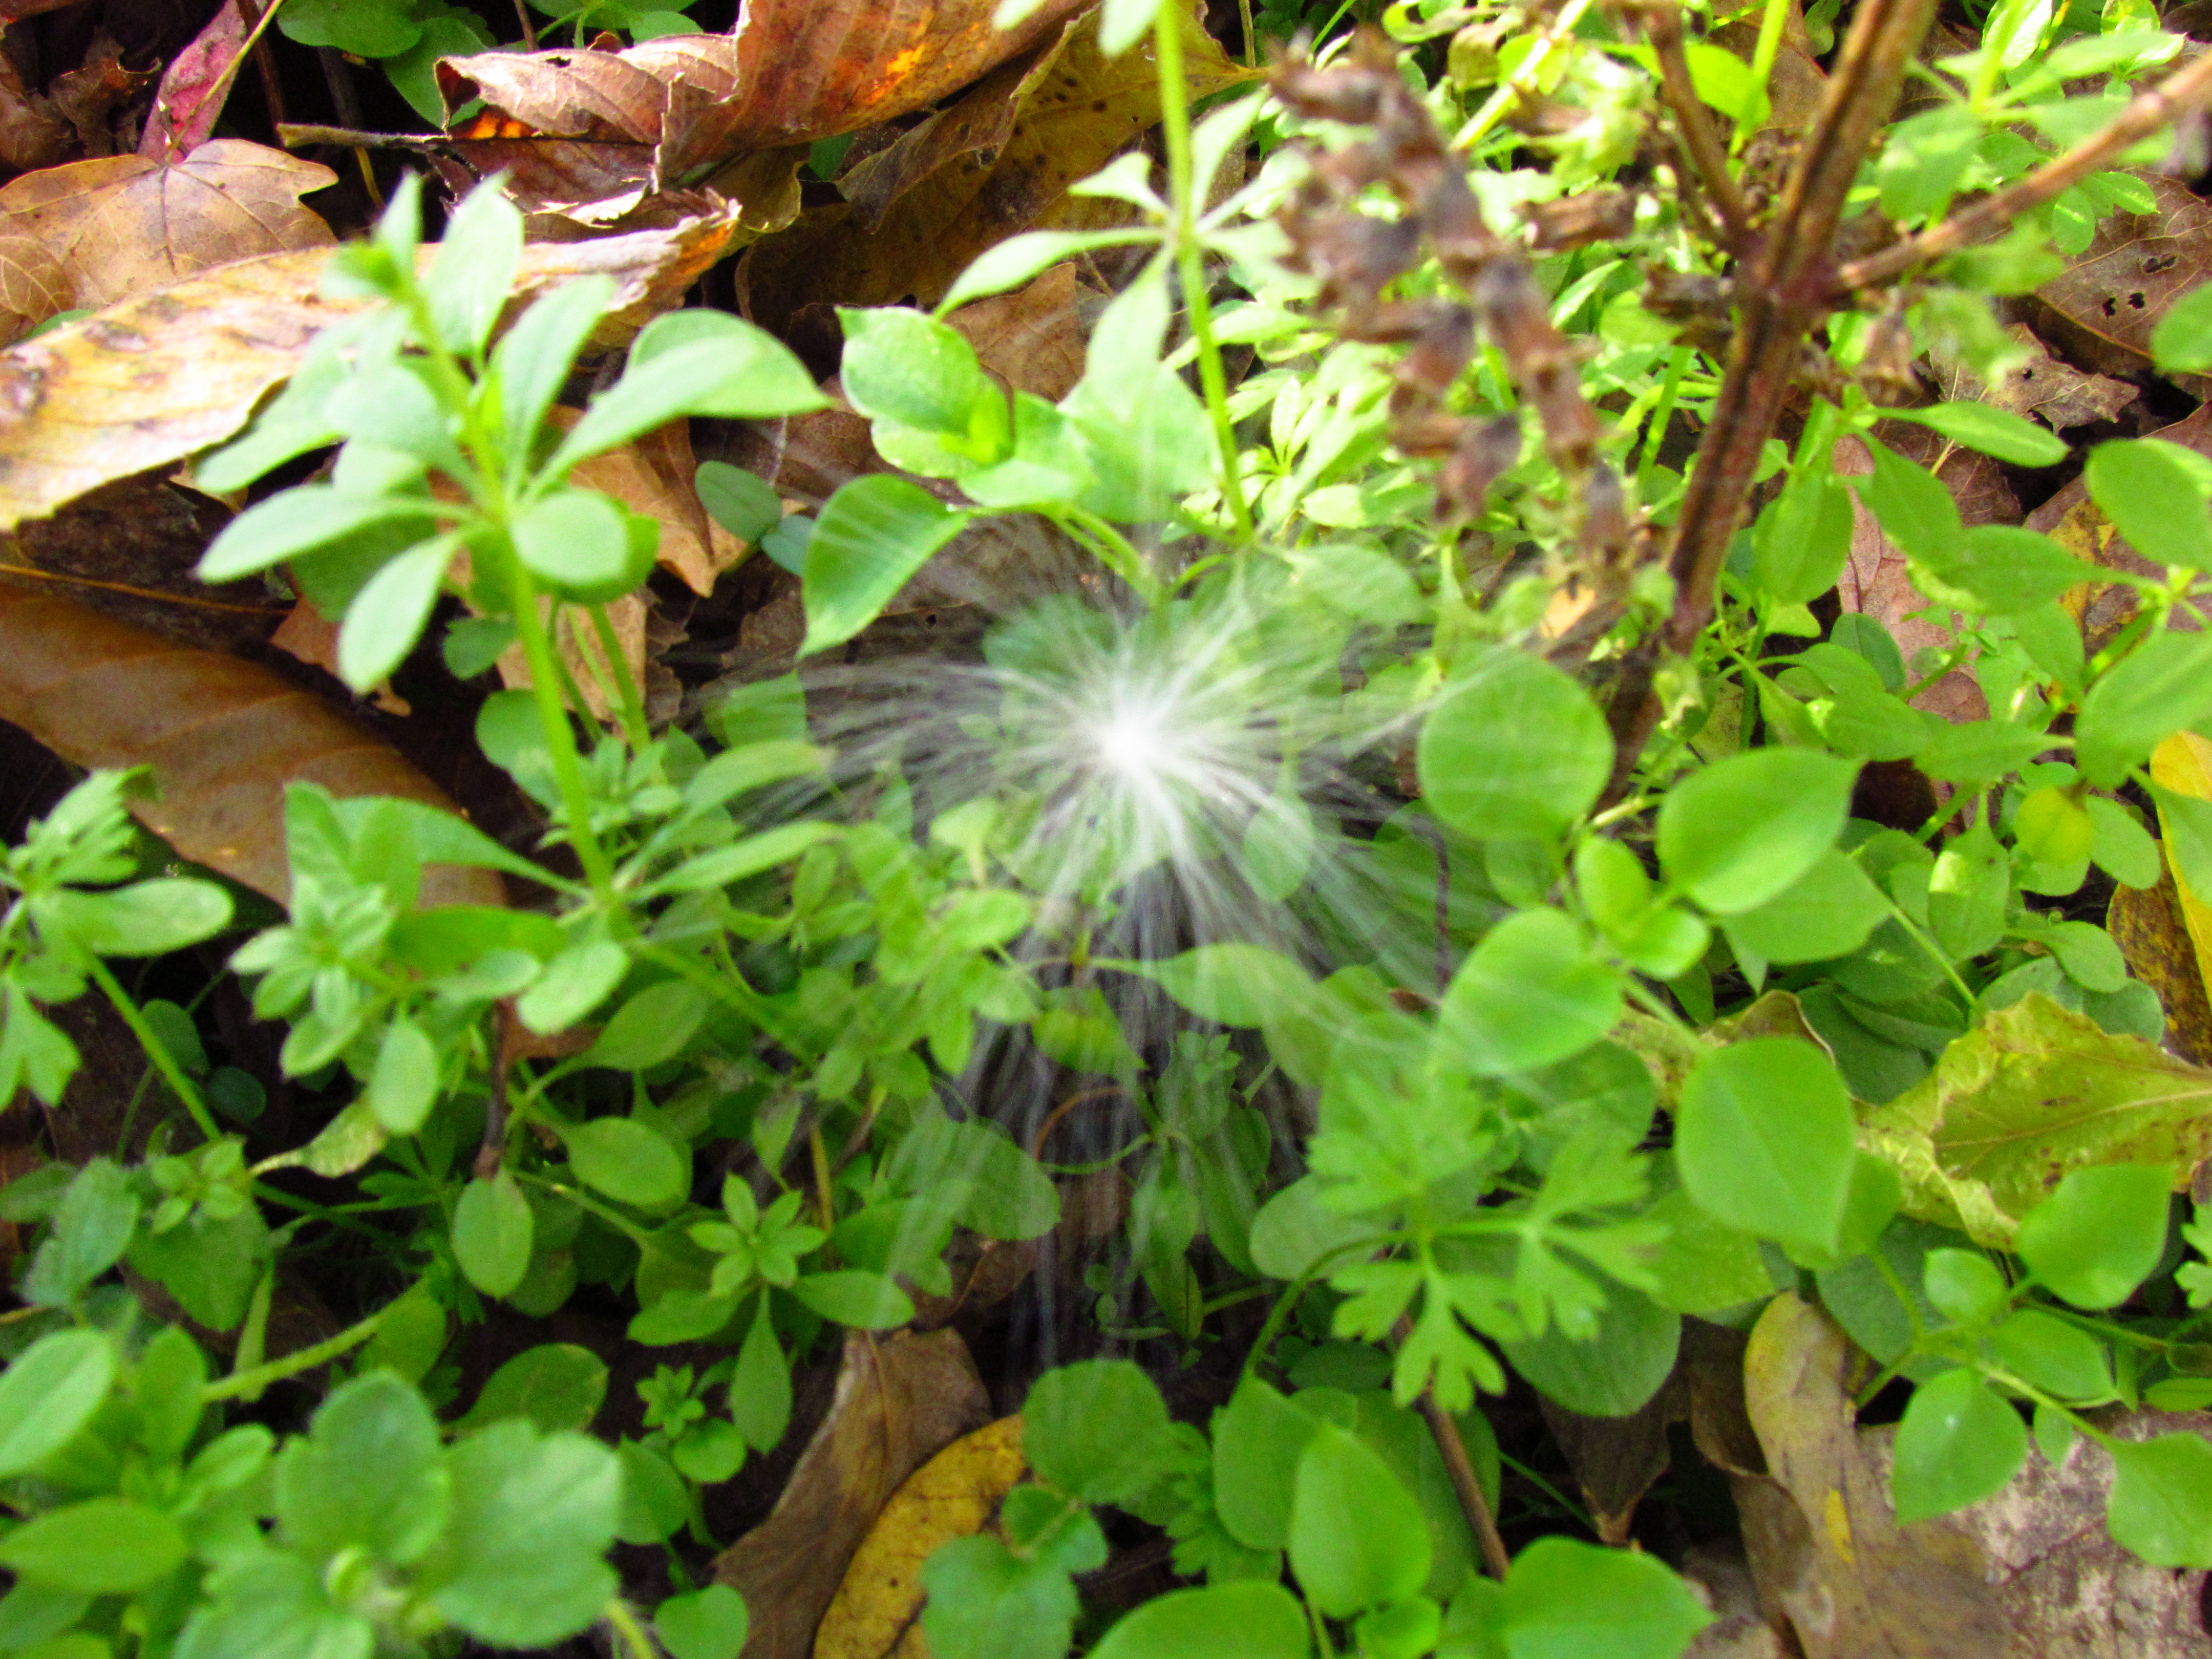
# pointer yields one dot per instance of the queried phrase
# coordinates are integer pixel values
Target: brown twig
(28, 573)
(1460, 1467)
(1780, 294)
(2186, 88)
(1662, 27)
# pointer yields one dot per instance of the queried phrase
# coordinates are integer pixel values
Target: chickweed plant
(1419, 846)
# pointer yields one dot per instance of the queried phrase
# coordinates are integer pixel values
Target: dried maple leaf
(223, 736)
(120, 225)
(150, 381)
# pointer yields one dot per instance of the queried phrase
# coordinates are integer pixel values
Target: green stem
(630, 704)
(1114, 551)
(553, 716)
(1762, 71)
(1670, 390)
(248, 1384)
(156, 1051)
(633, 1635)
(1190, 259)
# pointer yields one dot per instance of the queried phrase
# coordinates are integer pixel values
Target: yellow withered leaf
(2183, 763)
(877, 1613)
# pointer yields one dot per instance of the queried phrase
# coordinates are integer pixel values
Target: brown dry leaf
(34, 286)
(1615, 1460)
(901, 1400)
(582, 651)
(877, 1612)
(1034, 338)
(223, 736)
(122, 224)
(150, 381)
(791, 71)
(310, 637)
(2150, 927)
(2039, 384)
(32, 132)
(90, 94)
(1079, 109)
(2081, 528)
(2030, 1573)
(2138, 264)
(654, 476)
(1876, 583)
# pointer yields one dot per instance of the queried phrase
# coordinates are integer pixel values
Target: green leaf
(1010, 263)
(2121, 846)
(492, 1233)
(387, 617)
(650, 1028)
(1992, 430)
(1801, 540)
(2161, 1505)
(1097, 1431)
(2100, 1233)
(102, 1546)
(1915, 509)
(403, 1085)
(1258, 1438)
(296, 521)
(1358, 1539)
(1965, 1286)
(704, 1624)
(1742, 832)
(760, 1388)
(984, 1602)
(533, 357)
(872, 536)
(2155, 497)
(2050, 1354)
(554, 1386)
(1565, 1599)
(2161, 686)
(1922, 158)
(92, 1228)
(467, 285)
(1531, 992)
(1515, 750)
(573, 983)
(1295, 1231)
(1828, 912)
(628, 1162)
(735, 372)
(1959, 1442)
(533, 1516)
(864, 1301)
(369, 1473)
(146, 919)
(1251, 1621)
(49, 1394)
(742, 503)
(2181, 340)
(2003, 569)
(1612, 1372)
(1242, 985)
(266, 1603)
(366, 29)
(580, 542)
(1763, 1139)
(901, 365)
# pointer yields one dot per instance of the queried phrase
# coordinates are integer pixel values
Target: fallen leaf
(1079, 109)
(2046, 387)
(2030, 1573)
(2183, 763)
(122, 224)
(581, 649)
(1876, 582)
(310, 637)
(150, 381)
(1615, 1460)
(2138, 265)
(222, 737)
(877, 1612)
(2032, 1093)
(1034, 338)
(191, 98)
(34, 286)
(32, 132)
(900, 1400)
(654, 475)
(790, 72)
(2150, 926)
(89, 94)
